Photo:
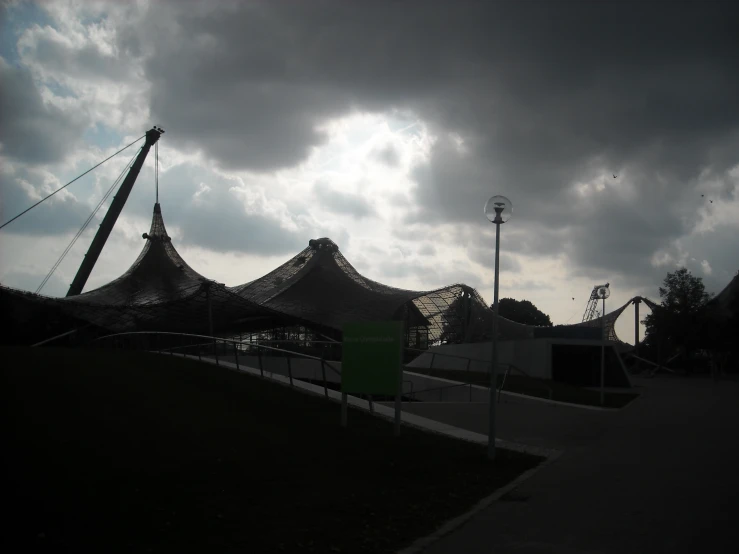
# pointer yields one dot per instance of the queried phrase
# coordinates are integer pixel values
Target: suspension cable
(86, 223)
(72, 181)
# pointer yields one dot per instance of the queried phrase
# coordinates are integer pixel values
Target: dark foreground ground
(134, 452)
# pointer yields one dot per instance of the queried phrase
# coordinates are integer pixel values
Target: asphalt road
(661, 475)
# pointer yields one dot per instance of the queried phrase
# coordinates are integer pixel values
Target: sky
(613, 127)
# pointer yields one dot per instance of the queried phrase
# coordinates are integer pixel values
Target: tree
(676, 324)
(522, 311)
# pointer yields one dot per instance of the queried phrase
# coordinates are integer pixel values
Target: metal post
(236, 353)
(494, 353)
(636, 329)
(323, 370)
(289, 371)
(259, 355)
(398, 397)
(111, 216)
(603, 355)
(344, 410)
(371, 404)
(505, 376)
(431, 365)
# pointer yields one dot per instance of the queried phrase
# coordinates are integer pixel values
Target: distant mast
(116, 206)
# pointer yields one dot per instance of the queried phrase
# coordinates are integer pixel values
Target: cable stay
(72, 181)
(87, 222)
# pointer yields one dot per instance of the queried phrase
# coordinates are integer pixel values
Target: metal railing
(121, 340)
(457, 356)
(508, 367)
(539, 380)
(444, 388)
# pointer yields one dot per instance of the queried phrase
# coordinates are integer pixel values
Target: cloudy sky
(385, 125)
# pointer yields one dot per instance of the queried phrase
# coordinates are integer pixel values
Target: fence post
(344, 410)
(215, 349)
(371, 404)
(289, 371)
(323, 370)
(259, 355)
(468, 363)
(236, 351)
(431, 365)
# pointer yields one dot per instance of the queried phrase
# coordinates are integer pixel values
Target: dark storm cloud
(210, 212)
(87, 63)
(427, 250)
(542, 94)
(23, 280)
(548, 80)
(31, 130)
(59, 214)
(486, 257)
(341, 202)
(388, 155)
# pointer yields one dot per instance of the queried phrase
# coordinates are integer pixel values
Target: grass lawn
(521, 384)
(133, 452)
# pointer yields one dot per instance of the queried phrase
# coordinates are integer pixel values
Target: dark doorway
(578, 364)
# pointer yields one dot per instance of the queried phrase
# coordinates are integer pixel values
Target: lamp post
(498, 209)
(603, 293)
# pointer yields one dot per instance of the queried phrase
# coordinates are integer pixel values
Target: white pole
(603, 354)
(494, 353)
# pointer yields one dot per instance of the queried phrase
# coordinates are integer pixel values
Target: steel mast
(116, 206)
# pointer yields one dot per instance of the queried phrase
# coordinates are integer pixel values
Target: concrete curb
(419, 545)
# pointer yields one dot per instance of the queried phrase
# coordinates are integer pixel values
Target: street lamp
(603, 292)
(498, 209)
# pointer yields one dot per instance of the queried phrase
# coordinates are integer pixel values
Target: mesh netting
(319, 285)
(318, 288)
(161, 292)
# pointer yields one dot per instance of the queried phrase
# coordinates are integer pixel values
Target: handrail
(449, 355)
(445, 387)
(542, 381)
(221, 339)
(73, 331)
(296, 341)
(500, 388)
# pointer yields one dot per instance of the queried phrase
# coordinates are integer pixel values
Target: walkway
(660, 476)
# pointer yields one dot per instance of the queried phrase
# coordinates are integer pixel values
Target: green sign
(372, 357)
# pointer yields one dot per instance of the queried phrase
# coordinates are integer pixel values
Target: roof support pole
(93, 253)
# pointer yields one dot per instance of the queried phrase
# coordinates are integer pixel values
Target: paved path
(660, 476)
